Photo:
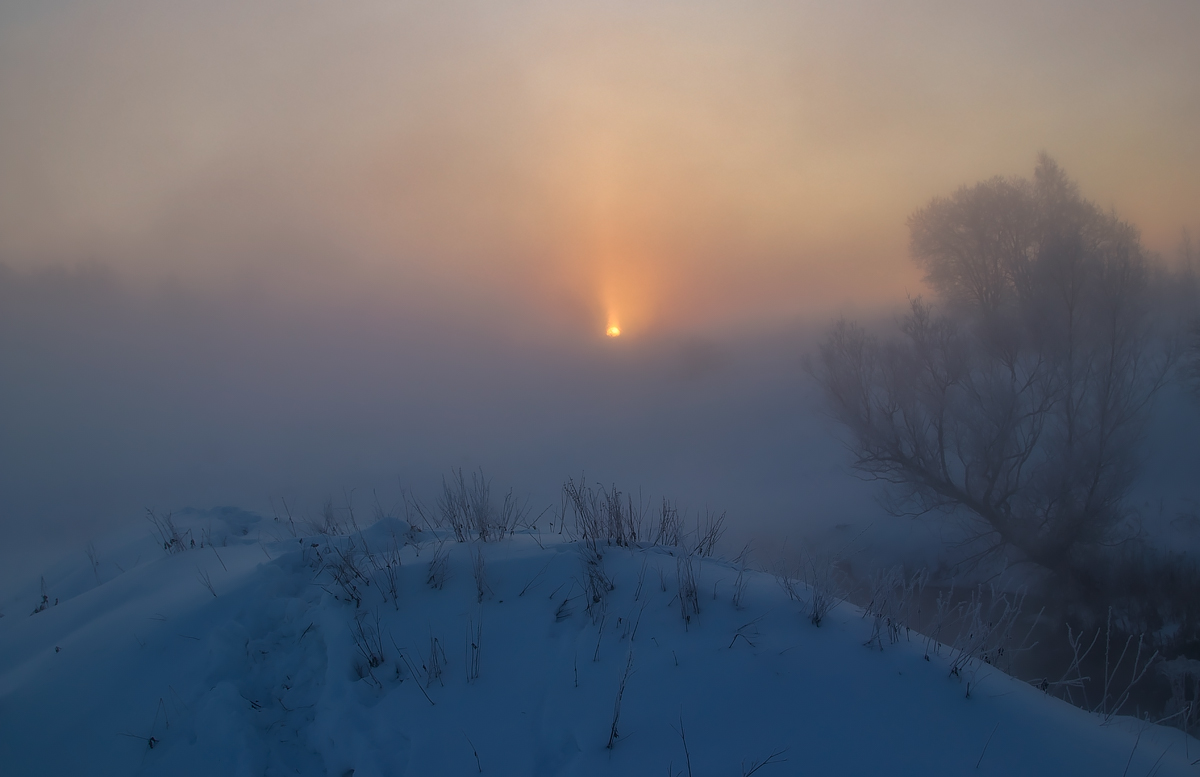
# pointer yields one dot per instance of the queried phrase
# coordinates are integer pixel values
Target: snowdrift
(222, 644)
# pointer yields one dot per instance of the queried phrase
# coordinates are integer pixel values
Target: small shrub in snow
(688, 593)
(739, 584)
(367, 635)
(565, 610)
(479, 570)
(1114, 697)
(1072, 680)
(387, 571)
(291, 521)
(468, 510)
(45, 602)
(439, 566)
(170, 537)
(823, 580)
(942, 612)
(1115, 692)
(474, 646)
(414, 509)
(328, 524)
(513, 512)
(455, 506)
(604, 515)
(790, 585)
(709, 534)
(893, 597)
(669, 530)
(342, 563)
(596, 583)
(985, 631)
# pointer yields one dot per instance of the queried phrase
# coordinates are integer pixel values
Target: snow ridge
(393, 650)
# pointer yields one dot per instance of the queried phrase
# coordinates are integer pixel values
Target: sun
(613, 331)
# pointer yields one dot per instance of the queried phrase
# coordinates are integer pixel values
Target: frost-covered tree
(1017, 399)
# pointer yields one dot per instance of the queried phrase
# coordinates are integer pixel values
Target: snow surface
(265, 677)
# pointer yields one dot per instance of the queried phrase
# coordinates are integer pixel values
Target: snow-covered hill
(243, 650)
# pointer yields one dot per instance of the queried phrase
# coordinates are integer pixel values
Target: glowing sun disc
(613, 331)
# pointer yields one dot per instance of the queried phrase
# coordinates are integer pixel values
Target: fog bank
(131, 399)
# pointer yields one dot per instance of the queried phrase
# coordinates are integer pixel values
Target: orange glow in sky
(689, 165)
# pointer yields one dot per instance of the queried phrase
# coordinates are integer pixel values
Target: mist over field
(166, 400)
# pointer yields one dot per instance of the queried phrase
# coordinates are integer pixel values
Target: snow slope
(272, 675)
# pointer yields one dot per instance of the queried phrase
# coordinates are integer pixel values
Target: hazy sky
(325, 244)
(673, 164)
